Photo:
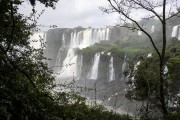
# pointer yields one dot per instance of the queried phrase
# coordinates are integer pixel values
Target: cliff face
(101, 66)
(54, 37)
(63, 45)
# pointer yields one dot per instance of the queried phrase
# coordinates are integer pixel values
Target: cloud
(85, 13)
(72, 13)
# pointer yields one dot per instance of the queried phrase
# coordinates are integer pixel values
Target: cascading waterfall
(69, 68)
(149, 55)
(124, 65)
(87, 35)
(81, 39)
(165, 69)
(139, 32)
(79, 66)
(152, 29)
(94, 70)
(61, 49)
(174, 31)
(69, 65)
(179, 34)
(136, 65)
(107, 34)
(111, 70)
(85, 38)
(45, 40)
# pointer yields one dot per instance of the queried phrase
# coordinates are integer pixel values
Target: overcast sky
(72, 13)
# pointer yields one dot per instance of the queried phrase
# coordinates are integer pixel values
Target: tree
(126, 8)
(144, 86)
(25, 80)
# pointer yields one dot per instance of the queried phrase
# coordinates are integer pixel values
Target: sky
(73, 13)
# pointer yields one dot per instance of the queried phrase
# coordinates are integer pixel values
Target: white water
(109, 53)
(85, 38)
(179, 34)
(136, 65)
(37, 39)
(149, 55)
(94, 70)
(79, 66)
(174, 31)
(63, 40)
(107, 34)
(152, 29)
(69, 66)
(102, 53)
(139, 32)
(111, 70)
(124, 65)
(61, 49)
(165, 70)
(72, 64)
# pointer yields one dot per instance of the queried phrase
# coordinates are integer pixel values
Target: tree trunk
(161, 90)
(162, 63)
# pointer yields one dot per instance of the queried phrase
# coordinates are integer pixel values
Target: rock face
(102, 71)
(82, 38)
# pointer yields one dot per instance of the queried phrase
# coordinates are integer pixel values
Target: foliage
(126, 11)
(115, 49)
(144, 83)
(25, 80)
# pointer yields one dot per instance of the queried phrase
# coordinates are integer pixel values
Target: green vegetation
(115, 49)
(144, 86)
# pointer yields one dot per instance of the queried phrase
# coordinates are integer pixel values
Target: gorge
(97, 58)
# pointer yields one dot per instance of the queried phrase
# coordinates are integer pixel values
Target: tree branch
(176, 14)
(121, 12)
(148, 9)
(13, 26)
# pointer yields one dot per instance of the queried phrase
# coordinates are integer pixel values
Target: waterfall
(149, 55)
(45, 40)
(79, 66)
(139, 32)
(94, 70)
(107, 33)
(165, 69)
(69, 68)
(109, 53)
(102, 53)
(174, 31)
(111, 70)
(179, 34)
(37, 39)
(100, 34)
(136, 65)
(152, 29)
(85, 38)
(61, 49)
(124, 65)
(63, 40)
(72, 65)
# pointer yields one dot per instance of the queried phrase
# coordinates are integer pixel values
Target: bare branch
(176, 14)
(147, 8)
(120, 11)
